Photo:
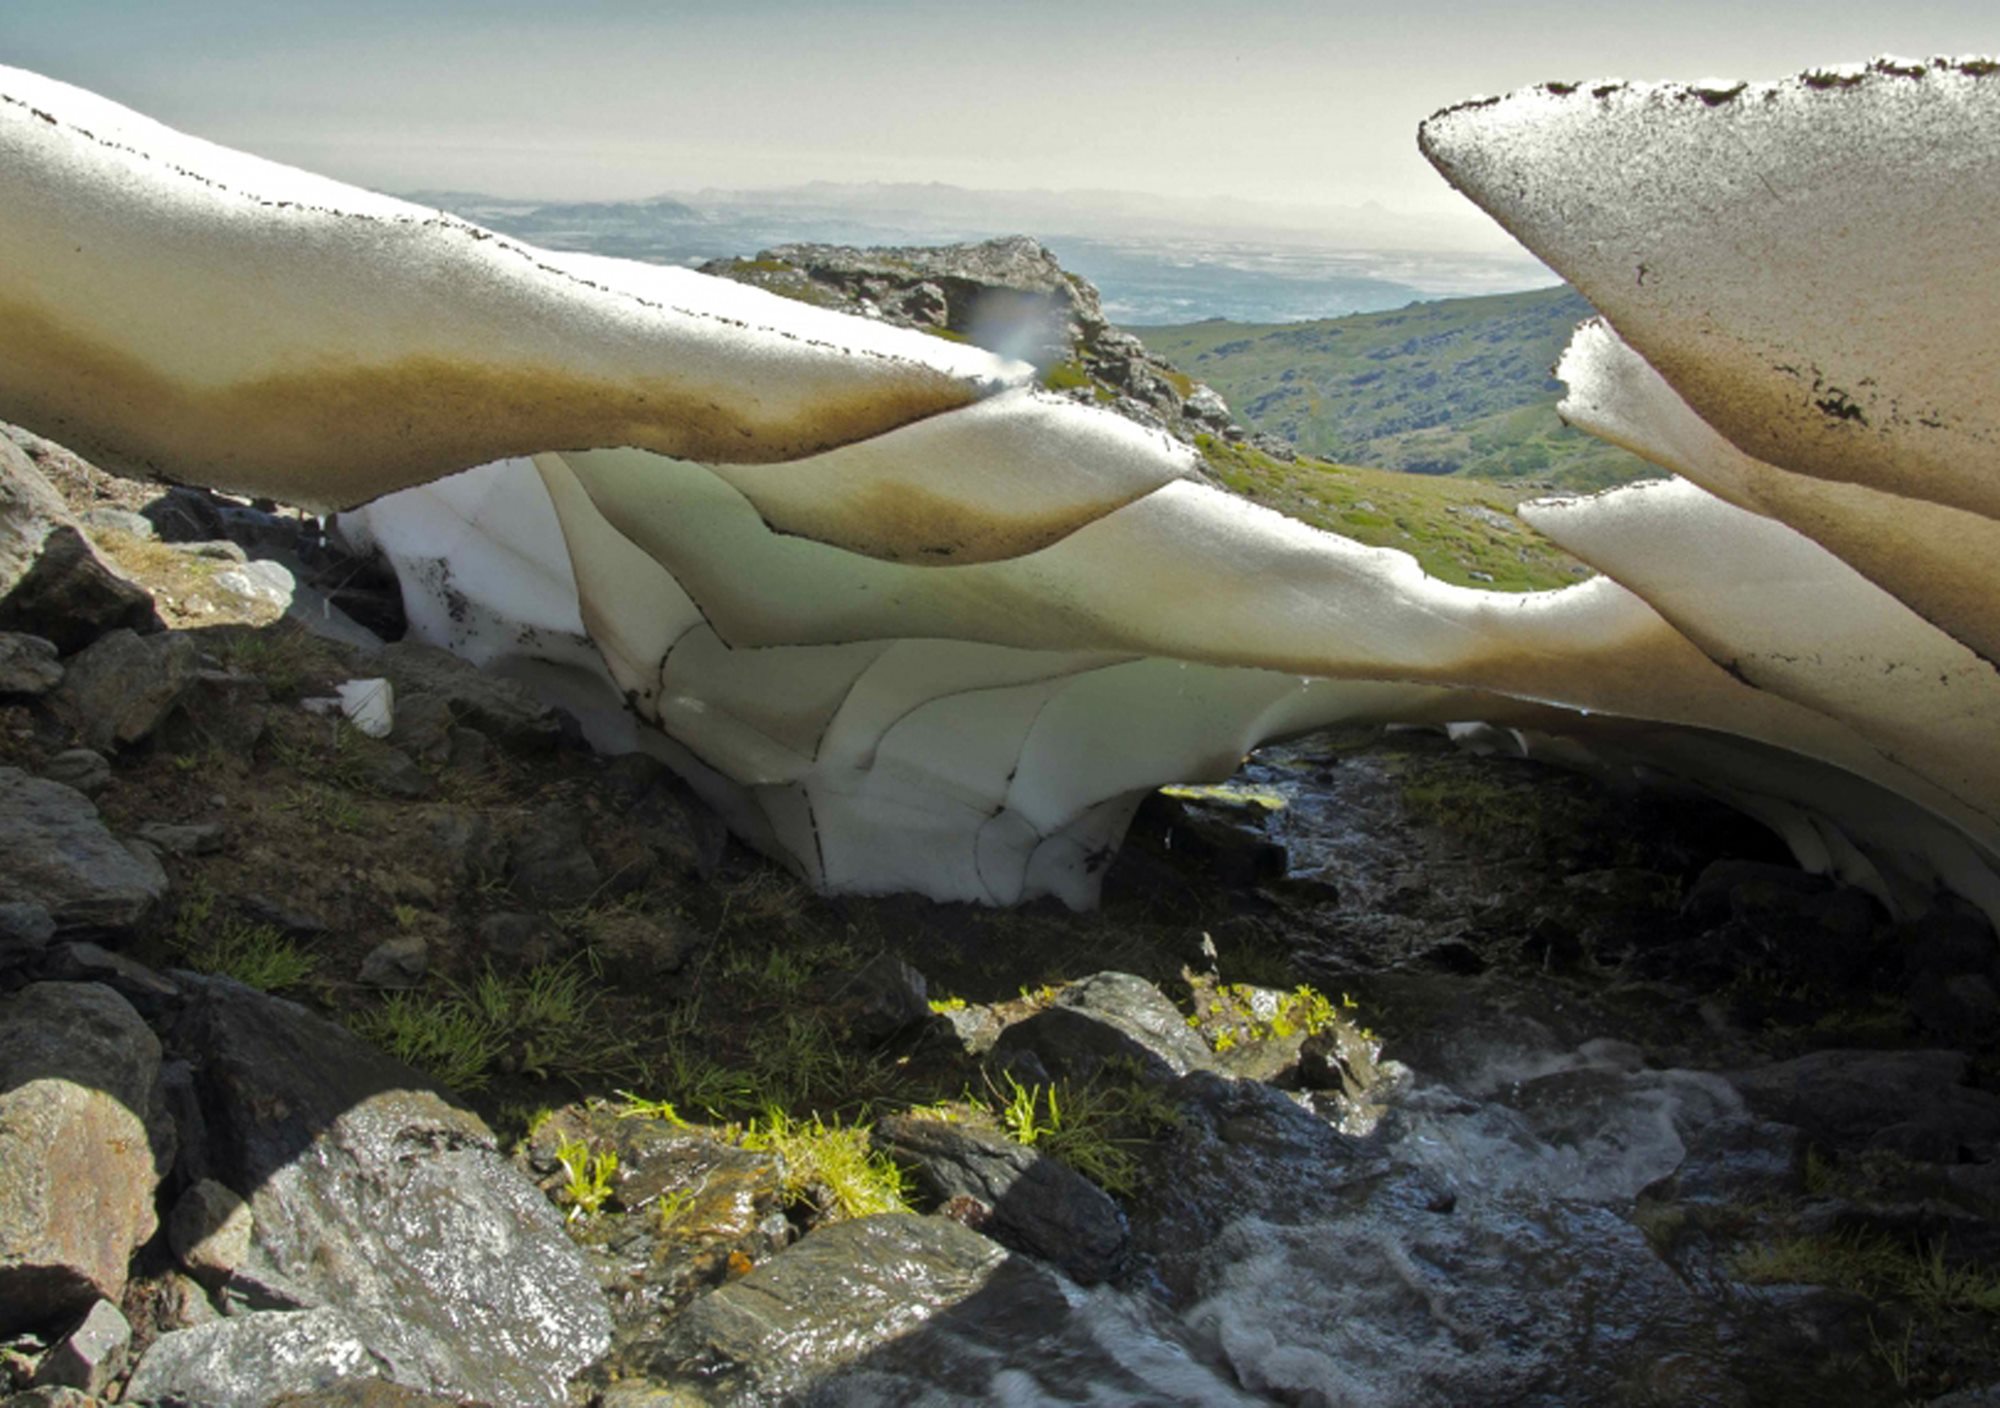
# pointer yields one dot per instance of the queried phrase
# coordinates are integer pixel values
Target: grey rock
(52, 582)
(123, 686)
(92, 1355)
(223, 709)
(104, 518)
(288, 919)
(370, 1193)
(1962, 1009)
(216, 550)
(684, 834)
(1737, 1160)
(499, 708)
(400, 962)
(200, 838)
(85, 769)
(52, 1397)
(60, 857)
(423, 727)
(549, 865)
(886, 997)
(1011, 1193)
(470, 845)
(1109, 1018)
(83, 1140)
(209, 1231)
(28, 664)
(260, 580)
(845, 1291)
(516, 939)
(1710, 899)
(1849, 1098)
(255, 1359)
(25, 930)
(391, 773)
(151, 993)
(1945, 944)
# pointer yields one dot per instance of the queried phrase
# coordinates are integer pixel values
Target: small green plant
(327, 806)
(943, 1005)
(441, 1036)
(589, 1179)
(697, 1081)
(831, 1167)
(256, 955)
(673, 1206)
(1098, 1127)
(637, 1108)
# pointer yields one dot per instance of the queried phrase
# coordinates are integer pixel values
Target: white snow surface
(913, 625)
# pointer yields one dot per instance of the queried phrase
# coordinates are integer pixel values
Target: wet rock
(498, 708)
(397, 963)
(886, 997)
(60, 857)
(85, 769)
(549, 865)
(700, 1210)
(209, 1231)
(123, 686)
(1012, 1194)
(251, 1360)
(1108, 1018)
(1737, 1159)
(842, 1292)
(366, 1393)
(372, 1196)
(1850, 1098)
(52, 583)
(91, 1355)
(28, 664)
(201, 838)
(82, 1140)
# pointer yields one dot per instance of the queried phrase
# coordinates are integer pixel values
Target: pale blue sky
(1313, 103)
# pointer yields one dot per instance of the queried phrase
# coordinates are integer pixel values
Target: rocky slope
(1007, 295)
(461, 1065)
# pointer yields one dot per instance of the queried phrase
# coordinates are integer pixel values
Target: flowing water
(1475, 1241)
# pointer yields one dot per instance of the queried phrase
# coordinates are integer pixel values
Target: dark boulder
(1016, 1196)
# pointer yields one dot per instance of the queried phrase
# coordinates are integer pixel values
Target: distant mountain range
(1458, 386)
(1155, 259)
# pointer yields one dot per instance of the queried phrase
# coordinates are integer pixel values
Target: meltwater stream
(1476, 1246)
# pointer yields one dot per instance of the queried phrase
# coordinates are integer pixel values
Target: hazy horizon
(1305, 105)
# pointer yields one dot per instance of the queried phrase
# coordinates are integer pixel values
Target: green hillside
(1459, 386)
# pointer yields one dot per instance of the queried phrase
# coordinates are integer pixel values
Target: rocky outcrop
(1010, 296)
(374, 1202)
(80, 1109)
(52, 583)
(61, 858)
